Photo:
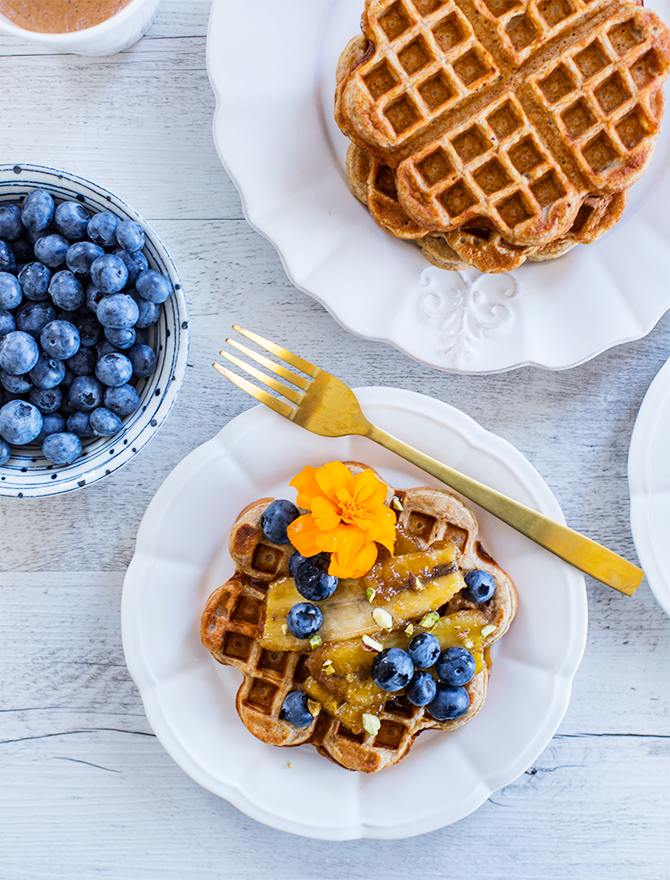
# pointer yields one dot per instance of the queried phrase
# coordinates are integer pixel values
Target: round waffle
(505, 114)
(233, 619)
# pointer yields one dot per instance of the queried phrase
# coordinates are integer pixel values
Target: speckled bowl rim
(28, 474)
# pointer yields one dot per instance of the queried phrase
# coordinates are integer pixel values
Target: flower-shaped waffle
(506, 111)
(241, 627)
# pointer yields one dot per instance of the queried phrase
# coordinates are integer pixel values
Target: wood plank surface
(86, 790)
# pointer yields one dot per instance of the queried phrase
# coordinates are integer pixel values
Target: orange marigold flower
(348, 518)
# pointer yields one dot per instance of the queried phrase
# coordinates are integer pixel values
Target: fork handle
(583, 553)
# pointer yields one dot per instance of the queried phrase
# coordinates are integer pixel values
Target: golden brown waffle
(477, 245)
(232, 626)
(505, 112)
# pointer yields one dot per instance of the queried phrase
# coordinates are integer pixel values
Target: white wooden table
(85, 788)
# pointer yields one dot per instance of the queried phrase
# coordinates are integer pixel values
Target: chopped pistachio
(396, 503)
(370, 593)
(284, 629)
(289, 765)
(415, 584)
(371, 724)
(469, 644)
(328, 667)
(430, 620)
(315, 641)
(488, 629)
(313, 707)
(382, 618)
(371, 644)
(409, 629)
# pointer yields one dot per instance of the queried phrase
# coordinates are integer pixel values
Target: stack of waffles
(492, 132)
(234, 630)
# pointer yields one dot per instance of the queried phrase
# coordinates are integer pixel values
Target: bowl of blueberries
(93, 332)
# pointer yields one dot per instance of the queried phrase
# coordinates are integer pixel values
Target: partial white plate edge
(654, 409)
(132, 640)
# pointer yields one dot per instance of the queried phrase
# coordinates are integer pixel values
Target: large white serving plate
(649, 482)
(272, 67)
(182, 556)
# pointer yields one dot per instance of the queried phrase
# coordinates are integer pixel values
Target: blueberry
(149, 312)
(10, 291)
(392, 669)
(20, 422)
(82, 363)
(312, 580)
(424, 650)
(277, 516)
(62, 448)
(104, 422)
(7, 322)
(60, 339)
(449, 703)
(303, 620)
(121, 339)
(153, 286)
(294, 562)
(79, 423)
(123, 401)
(5, 451)
(130, 236)
(18, 352)
(51, 250)
(119, 311)
(52, 423)
(71, 220)
(15, 384)
(93, 297)
(37, 210)
(295, 709)
(47, 400)
(32, 317)
(88, 327)
(479, 586)
(66, 291)
(143, 360)
(113, 369)
(422, 688)
(81, 256)
(47, 372)
(11, 226)
(7, 258)
(135, 263)
(456, 666)
(102, 228)
(34, 279)
(109, 273)
(85, 393)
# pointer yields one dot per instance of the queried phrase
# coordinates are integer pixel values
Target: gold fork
(327, 406)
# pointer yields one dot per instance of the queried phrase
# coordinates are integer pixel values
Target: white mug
(110, 36)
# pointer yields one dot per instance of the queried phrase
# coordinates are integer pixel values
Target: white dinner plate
(649, 483)
(272, 67)
(182, 556)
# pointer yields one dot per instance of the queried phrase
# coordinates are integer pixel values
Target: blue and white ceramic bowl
(28, 474)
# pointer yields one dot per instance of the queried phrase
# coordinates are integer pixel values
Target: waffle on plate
(244, 625)
(498, 125)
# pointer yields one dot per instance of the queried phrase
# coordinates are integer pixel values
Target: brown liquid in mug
(59, 16)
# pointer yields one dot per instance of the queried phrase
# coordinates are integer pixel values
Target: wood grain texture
(86, 791)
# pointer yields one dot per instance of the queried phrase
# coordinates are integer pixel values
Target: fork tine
(282, 353)
(293, 378)
(277, 405)
(292, 395)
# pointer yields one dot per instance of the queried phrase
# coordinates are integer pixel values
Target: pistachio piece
(488, 629)
(315, 641)
(370, 593)
(371, 724)
(382, 618)
(429, 620)
(409, 629)
(397, 504)
(371, 644)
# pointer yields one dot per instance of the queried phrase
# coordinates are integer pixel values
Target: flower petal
(304, 534)
(306, 486)
(369, 490)
(332, 477)
(326, 514)
(344, 564)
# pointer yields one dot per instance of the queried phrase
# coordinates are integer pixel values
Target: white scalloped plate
(272, 67)
(649, 483)
(182, 556)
